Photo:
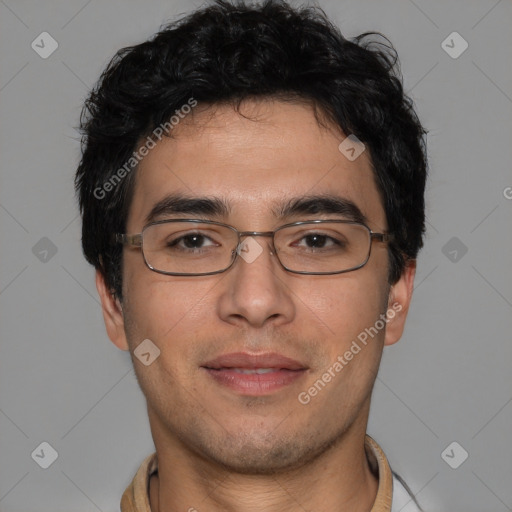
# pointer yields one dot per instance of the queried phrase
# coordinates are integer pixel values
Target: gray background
(449, 378)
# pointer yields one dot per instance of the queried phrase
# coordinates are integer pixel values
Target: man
(251, 188)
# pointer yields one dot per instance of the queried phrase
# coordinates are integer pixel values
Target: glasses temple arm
(135, 240)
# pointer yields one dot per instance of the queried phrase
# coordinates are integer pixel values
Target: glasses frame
(137, 240)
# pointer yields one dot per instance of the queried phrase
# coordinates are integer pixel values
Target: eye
(319, 241)
(192, 241)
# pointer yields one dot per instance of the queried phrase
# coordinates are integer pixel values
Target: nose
(255, 290)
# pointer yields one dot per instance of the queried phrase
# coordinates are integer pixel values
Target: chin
(250, 455)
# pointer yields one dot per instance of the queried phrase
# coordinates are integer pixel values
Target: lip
(279, 371)
(252, 361)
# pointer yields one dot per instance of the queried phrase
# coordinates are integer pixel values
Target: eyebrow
(215, 207)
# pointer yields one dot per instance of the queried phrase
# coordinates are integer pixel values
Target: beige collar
(136, 496)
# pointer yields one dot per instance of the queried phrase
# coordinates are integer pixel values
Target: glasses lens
(328, 247)
(188, 247)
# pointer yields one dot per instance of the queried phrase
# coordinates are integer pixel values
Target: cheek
(169, 311)
(346, 304)
(171, 315)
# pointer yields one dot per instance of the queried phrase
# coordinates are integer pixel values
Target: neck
(339, 479)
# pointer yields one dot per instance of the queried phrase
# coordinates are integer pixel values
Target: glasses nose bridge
(255, 233)
(243, 234)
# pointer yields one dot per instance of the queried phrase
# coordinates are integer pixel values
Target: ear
(399, 300)
(112, 313)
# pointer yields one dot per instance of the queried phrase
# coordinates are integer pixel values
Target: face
(256, 315)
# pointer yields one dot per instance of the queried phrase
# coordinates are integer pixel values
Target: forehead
(255, 160)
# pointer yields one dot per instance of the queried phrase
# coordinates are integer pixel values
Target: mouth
(254, 374)
(253, 371)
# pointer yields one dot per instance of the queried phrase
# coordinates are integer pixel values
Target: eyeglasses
(194, 247)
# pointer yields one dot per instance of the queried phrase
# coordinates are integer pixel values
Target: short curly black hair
(231, 51)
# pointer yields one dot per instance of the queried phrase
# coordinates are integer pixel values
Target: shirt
(391, 494)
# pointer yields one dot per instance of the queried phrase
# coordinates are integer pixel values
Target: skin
(219, 450)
